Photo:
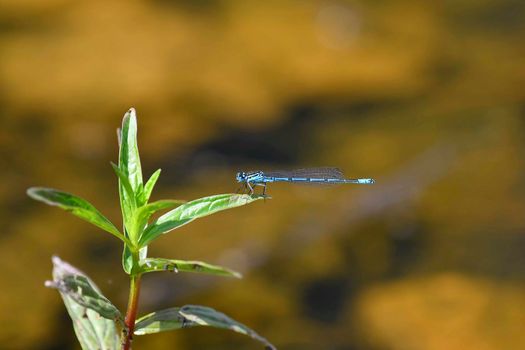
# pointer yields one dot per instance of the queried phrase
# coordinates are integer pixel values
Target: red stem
(131, 313)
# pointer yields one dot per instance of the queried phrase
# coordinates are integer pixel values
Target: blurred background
(426, 97)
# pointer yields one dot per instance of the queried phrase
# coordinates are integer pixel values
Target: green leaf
(192, 316)
(93, 330)
(129, 160)
(127, 259)
(144, 213)
(193, 210)
(125, 184)
(172, 265)
(80, 289)
(76, 285)
(129, 168)
(148, 187)
(76, 206)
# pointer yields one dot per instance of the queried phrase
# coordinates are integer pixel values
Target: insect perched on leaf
(317, 176)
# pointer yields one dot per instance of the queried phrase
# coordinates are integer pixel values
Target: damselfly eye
(241, 176)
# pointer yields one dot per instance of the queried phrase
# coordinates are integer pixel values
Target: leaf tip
(33, 191)
(255, 197)
(130, 115)
(41, 194)
(50, 284)
(55, 259)
(30, 191)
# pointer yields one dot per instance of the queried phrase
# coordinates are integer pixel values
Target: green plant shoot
(98, 324)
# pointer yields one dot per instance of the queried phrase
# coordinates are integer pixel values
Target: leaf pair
(96, 320)
(173, 219)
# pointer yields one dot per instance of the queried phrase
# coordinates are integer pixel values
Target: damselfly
(321, 176)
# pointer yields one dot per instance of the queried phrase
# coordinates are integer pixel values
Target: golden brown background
(427, 97)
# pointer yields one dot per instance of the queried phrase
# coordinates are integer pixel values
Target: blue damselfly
(317, 176)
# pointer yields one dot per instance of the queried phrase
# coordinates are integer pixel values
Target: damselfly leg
(264, 189)
(250, 187)
(240, 189)
(263, 185)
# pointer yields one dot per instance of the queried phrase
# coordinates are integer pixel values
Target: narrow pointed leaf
(126, 185)
(193, 210)
(129, 160)
(127, 197)
(127, 259)
(139, 196)
(76, 206)
(93, 331)
(172, 265)
(129, 168)
(192, 316)
(148, 187)
(144, 213)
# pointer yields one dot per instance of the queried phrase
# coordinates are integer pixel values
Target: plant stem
(131, 313)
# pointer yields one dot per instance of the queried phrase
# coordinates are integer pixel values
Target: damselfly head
(241, 176)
